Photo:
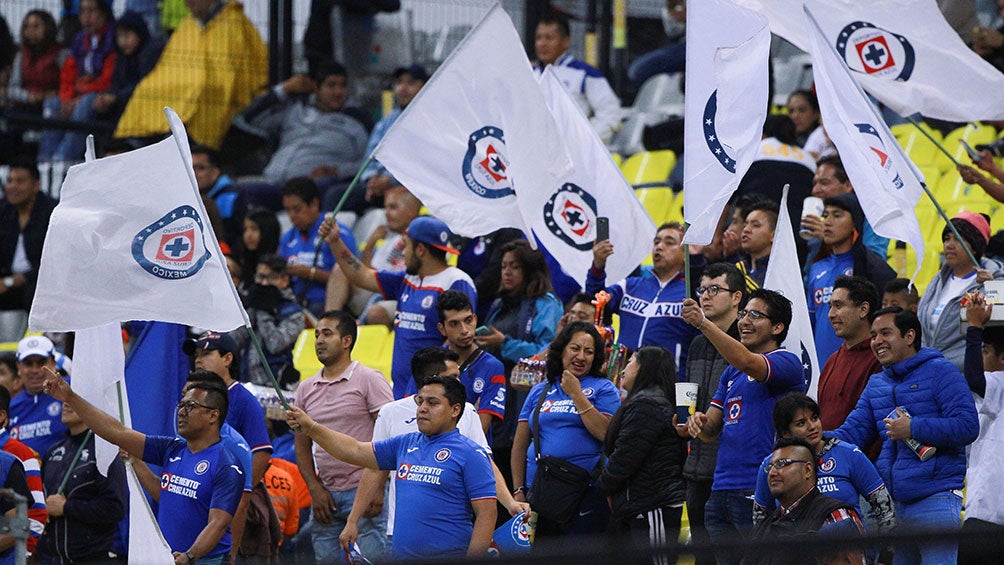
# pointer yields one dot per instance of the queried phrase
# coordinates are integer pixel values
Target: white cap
(35, 345)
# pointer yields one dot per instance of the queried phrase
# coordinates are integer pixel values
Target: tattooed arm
(358, 274)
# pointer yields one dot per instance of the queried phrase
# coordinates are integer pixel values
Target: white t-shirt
(952, 290)
(984, 497)
(398, 417)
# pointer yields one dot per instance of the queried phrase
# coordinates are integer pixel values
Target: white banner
(477, 133)
(726, 104)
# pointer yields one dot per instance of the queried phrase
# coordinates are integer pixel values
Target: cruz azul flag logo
(874, 141)
(486, 166)
(174, 246)
(570, 214)
(711, 135)
(871, 50)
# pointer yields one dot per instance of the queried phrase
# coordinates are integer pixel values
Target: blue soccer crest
(570, 214)
(486, 165)
(869, 49)
(174, 246)
(711, 134)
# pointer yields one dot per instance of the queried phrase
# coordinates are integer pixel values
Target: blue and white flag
(565, 219)
(130, 240)
(727, 83)
(886, 182)
(785, 276)
(902, 52)
(477, 133)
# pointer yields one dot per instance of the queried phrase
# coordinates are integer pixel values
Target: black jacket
(34, 237)
(94, 504)
(799, 526)
(644, 456)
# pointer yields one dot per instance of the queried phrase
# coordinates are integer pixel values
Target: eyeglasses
(753, 314)
(712, 290)
(781, 464)
(187, 407)
(266, 277)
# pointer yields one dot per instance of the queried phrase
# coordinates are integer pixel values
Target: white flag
(477, 133)
(130, 240)
(146, 542)
(98, 374)
(784, 276)
(727, 82)
(902, 52)
(564, 216)
(886, 182)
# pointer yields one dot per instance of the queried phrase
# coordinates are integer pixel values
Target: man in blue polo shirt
(650, 304)
(201, 481)
(741, 411)
(36, 417)
(481, 373)
(426, 276)
(446, 505)
(309, 264)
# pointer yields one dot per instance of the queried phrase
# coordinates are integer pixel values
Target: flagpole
(341, 201)
(173, 120)
(686, 263)
(936, 144)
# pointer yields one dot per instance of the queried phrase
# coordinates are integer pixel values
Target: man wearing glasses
(803, 509)
(201, 482)
(740, 413)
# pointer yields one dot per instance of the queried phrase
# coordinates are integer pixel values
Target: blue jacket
(944, 416)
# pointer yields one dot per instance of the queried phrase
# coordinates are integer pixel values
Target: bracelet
(311, 428)
(703, 319)
(591, 406)
(519, 490)
(313, 271)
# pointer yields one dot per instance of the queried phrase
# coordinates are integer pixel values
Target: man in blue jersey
(445, 484)
(35, 417)
(426, 276)
(201, 481)
(649, 305)
(740, 414)
(481, 372)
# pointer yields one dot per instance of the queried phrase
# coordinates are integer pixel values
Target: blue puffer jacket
(935, 393)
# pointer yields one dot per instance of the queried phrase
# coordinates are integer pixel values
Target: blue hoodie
(935, 393)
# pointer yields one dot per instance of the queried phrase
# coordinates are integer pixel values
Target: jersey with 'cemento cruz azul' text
(36, 420)
(437, 478)
(748, 420)
(190, 485)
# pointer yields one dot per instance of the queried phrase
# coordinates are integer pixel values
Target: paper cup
(686, 401)
(811, 206)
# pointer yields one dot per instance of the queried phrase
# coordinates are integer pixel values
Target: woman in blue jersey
(842, 470)
(575, 406)
(643, 478)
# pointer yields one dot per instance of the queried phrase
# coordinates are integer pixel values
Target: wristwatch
(8, 282)
(190, 556)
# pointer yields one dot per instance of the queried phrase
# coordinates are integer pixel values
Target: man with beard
(426, 276)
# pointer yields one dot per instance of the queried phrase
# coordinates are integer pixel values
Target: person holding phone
(994, 186)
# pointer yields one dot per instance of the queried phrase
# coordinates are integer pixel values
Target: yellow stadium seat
(932, 264)
(902, 130)
(658, 202)
(374, 347)
(921, 150)
(618, 160)
(974, 134)
(8, 346)
(304, 357)
(649, 167)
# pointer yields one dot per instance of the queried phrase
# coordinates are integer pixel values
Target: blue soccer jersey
(301, 248)
(246, 416)
(822, 275)
(843, 472)
(416, 317)
(36, 420)
(190, 485)
(748, 406)
(436, 479)
(562, 433)
(238, 447)
(483, 375)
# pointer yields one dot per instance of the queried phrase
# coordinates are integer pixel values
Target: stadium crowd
(506, 382)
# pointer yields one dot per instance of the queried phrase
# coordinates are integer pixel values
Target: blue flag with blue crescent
(726, 104)
(511, 538)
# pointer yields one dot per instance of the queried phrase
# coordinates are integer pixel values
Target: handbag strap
(536, 435)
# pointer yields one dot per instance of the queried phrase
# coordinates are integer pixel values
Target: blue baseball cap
(416, 71)
(431, 231)
(209, 341)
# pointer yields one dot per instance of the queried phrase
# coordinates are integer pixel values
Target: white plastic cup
(811, 206)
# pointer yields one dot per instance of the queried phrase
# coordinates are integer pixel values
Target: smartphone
(482, 330)
(972, 152)
(602, 228)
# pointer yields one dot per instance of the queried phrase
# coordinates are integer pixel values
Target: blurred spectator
(9, 378)
(138, 53)
(803, 109)
(579, 309)
(902, 293)
(584, 83)
(756, 242)
(481, 259)
(8, 49)
(212, 66)
(231, 203)
(279, 483)
(24, 219)
(343, 30)
(86, 73)
(309, 260)
(278, 321)
(260, 237)
(37, 514)
(318, 135)
(12, 475)
(992, 185)
(384, 250)
(35, 71)
(407, 83)
(149, 10)
(670, 58)
(831, 180)
(939, 308)
(989, 43)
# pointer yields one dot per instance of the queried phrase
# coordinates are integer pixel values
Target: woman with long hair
(643, 478)
(260, 238)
